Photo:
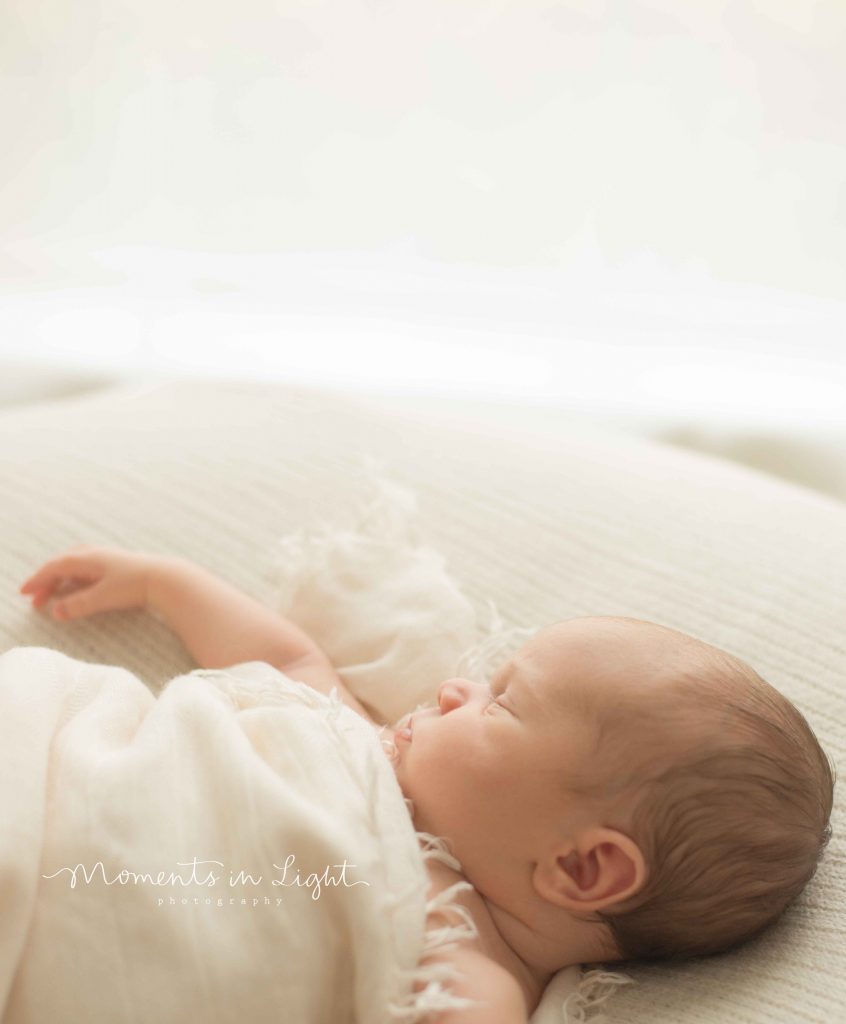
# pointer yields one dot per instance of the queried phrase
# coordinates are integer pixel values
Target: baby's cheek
(433, 781)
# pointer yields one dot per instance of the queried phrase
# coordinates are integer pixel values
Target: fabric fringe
(484, 657)
(595, 988)
(386, 519)
(436, 997)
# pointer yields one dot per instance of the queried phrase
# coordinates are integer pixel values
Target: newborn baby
(620, 790)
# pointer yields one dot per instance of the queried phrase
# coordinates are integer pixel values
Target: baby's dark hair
(729, 801)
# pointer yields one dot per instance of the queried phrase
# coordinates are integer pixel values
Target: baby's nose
(452, 694)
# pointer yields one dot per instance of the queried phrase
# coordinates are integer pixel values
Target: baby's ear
(597, 869)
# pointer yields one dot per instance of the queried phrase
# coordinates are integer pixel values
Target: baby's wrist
(159, 571)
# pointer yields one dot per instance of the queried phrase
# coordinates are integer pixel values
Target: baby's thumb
(77, 606)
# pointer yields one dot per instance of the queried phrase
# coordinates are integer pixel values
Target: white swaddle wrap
(237, 849)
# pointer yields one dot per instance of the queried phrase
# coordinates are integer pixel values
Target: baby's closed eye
(494, 704)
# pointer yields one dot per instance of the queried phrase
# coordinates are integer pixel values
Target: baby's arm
(219, 624)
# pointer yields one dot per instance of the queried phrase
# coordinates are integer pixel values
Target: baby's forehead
(593, 660)
(593, 644)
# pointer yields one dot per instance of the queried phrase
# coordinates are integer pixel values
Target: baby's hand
(91, 579)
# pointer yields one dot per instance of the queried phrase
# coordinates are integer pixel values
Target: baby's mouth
(406, 730)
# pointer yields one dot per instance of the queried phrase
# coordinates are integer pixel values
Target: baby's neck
(493, 941)
(515, 954)
(543, 939)
(538, 961)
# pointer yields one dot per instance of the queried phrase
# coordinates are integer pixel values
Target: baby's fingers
(58, 569)
(78, 605)
(41, 597)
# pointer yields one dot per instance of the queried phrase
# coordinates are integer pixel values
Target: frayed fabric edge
(595, 988)
(492, 649)
(436, 997)
(384, 518)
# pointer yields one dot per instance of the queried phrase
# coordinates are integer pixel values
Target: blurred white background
(622, 209)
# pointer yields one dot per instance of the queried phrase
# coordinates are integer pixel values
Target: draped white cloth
(236, 849)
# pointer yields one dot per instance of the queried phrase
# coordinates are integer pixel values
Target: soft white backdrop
(621, 207)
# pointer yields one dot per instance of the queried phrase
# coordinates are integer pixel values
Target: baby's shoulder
(441, 877)
(504, 964)
(497, 995)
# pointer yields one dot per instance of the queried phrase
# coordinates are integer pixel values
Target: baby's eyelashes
(493, 703)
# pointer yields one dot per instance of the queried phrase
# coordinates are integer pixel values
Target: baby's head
(626, 780)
